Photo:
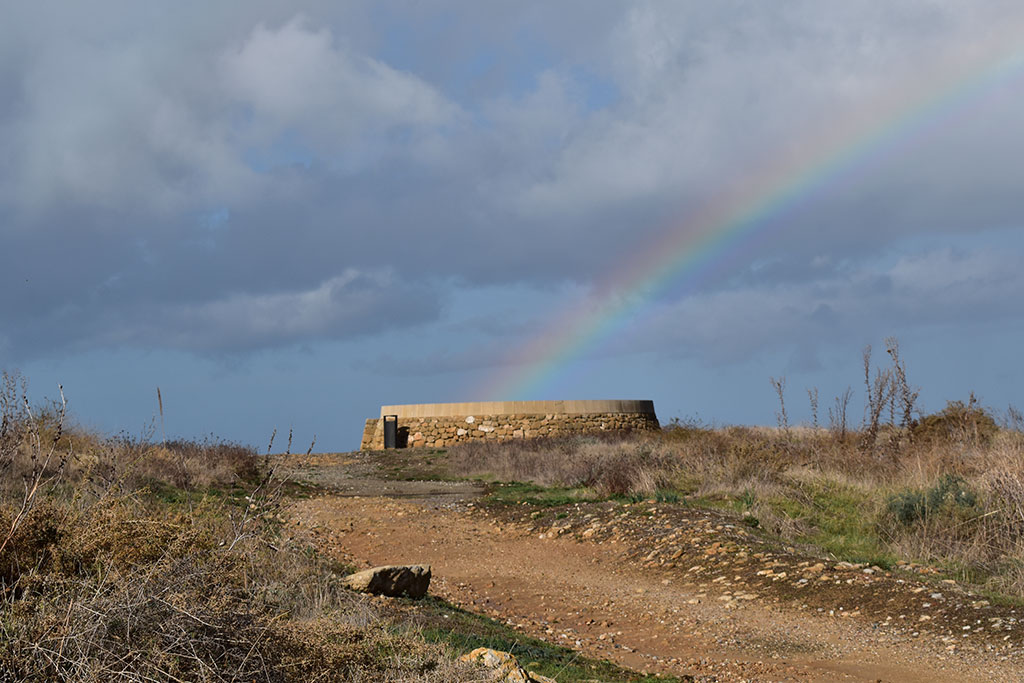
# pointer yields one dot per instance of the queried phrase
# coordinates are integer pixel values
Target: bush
(958, 422)
(949, 494)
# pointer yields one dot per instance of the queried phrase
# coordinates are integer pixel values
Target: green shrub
(907, 506)
(949, 494)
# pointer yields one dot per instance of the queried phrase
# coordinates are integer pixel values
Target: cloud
(297, 78)
(714, 93)
(937, 288)
(429, 152)
(350, 305)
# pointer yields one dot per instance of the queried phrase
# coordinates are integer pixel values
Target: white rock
(461, 432)
(470, 420)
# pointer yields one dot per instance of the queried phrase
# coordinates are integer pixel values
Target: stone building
(444, 424)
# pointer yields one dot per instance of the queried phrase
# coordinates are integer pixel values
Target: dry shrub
(735, 459)
(126, 587)
(191, 617)
(612, 465)
(133, 463)
(213, 462)
(958, 422)
(121, 558)
(948, 491)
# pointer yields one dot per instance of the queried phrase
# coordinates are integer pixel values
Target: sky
(285, 215)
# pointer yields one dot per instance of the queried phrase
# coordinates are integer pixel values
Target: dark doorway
(390, 431)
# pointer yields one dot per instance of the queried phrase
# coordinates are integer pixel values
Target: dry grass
(966, 481)
(126, 559)
(611, 466)
(831, 488)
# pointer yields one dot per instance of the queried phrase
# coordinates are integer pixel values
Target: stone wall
(445, 430)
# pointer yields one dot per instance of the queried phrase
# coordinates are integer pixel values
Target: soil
(660, 587)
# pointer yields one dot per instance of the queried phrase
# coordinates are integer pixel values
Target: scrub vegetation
(135, 559)
(944, 489)
(142, 559)
(139, 559)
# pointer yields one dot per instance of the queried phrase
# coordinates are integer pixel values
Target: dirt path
(580, 580)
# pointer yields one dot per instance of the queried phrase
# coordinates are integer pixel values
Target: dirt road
(676, 591)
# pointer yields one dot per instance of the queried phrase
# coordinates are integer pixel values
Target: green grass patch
(840, 519)
(168, 494)
(522, 493)
(659, 496)
(464, 631)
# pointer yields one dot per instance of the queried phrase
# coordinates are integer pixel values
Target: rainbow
(750, 209)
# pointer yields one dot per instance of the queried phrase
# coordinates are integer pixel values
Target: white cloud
(299, 78)
(715, 92)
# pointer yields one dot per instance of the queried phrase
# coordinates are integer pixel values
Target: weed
(779, 385)
(837, 414)
(812, 397)
(667, 496)
(517, 493)
(128, 558)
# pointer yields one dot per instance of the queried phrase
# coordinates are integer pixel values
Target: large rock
(393, 580)
(505, 666)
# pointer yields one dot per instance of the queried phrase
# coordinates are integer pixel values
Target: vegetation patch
(442, 622)
(165, 561)
(521, 493)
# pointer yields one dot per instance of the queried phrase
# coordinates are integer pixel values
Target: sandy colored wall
(496, 408)
(439, 430)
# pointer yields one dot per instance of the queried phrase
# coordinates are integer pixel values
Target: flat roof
(518, 408)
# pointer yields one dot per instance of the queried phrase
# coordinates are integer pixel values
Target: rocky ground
(662, 587)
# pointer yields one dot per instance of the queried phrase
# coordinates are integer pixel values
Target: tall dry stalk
(877, 392)
(904, 393)
(812, 396)
(837, 414)
(1014, 419)
(40, 455)
(779, 384)
(160, 406)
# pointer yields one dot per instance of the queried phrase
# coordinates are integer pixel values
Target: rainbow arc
(751, 208)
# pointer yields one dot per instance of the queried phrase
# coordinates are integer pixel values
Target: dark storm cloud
(216, 180)
(946, 289)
